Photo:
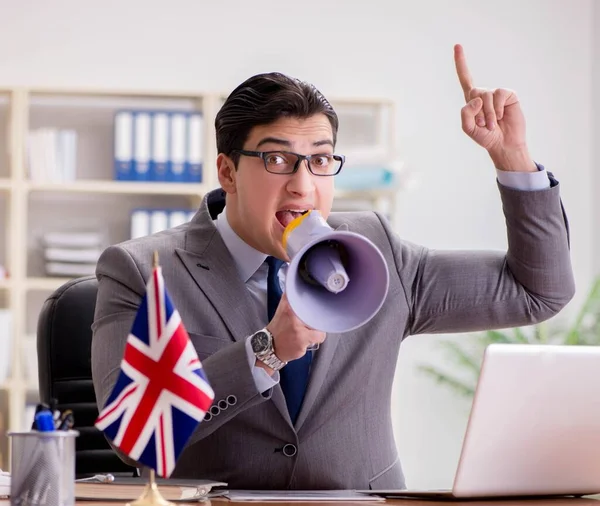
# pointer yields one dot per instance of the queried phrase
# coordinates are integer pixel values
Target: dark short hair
(263, 99)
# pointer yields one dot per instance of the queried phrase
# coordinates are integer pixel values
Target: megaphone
(336, 280)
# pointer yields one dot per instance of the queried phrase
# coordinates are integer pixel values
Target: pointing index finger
(464, 76)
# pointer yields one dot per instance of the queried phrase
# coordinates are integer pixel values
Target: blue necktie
(294, 376)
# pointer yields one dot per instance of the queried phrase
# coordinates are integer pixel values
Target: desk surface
(392, 502)
(412, 502)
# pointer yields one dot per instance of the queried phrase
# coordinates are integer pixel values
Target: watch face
(260, 342)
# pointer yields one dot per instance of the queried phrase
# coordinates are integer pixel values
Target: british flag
(162, 393)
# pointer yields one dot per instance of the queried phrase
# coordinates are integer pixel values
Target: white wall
(401, 49)
(595, 187)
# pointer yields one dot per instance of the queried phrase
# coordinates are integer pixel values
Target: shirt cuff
(526, 181)
(262, 380)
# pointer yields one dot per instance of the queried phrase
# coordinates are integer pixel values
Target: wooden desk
(414, 502)
(392, 502)
(586, 501)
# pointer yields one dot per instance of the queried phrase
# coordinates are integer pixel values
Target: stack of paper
(4, 484)
(71, 254)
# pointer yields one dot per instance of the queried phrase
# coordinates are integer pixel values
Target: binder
(365, 177)
(177, 218)
(140, 223)
(144, 222)
(194, 145)
(142, 129)
(67, 154)
(159, 221)
(123, 145)
(178, 148)
(160, 146)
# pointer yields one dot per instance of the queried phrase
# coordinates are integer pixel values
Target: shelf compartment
(91, 115)
(106, 214)
(365, 132)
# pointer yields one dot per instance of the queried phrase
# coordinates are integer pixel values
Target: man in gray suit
(285, 417)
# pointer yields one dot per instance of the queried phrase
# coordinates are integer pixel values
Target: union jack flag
(162, 393)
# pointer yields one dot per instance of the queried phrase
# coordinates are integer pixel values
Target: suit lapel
(210, 264)
(278, 399)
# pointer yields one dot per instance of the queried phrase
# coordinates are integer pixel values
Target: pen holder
(42, 468)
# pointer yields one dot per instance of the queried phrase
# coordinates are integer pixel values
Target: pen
(40, 407)
(44, 421)
(66, 420)
(54, 410)
(102, 478)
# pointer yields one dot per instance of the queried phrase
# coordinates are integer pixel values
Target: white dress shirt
(252, 268)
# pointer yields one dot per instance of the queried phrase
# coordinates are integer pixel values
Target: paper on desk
(299, 495)
(4, 484)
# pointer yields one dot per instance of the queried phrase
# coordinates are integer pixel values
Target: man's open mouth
(286, 216)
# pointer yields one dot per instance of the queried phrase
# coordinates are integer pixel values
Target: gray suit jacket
(343, 437)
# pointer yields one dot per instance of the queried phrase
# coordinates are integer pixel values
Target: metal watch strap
(269, 358)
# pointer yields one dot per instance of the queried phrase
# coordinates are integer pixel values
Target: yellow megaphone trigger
(294, 224)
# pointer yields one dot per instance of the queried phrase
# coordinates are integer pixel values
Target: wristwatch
(262, 346)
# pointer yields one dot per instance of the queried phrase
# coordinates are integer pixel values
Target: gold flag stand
(151, 496)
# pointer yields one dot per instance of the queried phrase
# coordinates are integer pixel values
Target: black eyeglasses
(284, 162)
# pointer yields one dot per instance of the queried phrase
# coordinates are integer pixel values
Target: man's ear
(226, 173)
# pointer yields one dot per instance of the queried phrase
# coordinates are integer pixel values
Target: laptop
(534, 426)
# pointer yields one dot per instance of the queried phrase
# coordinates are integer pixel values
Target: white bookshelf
(94, 201)
(120, 187)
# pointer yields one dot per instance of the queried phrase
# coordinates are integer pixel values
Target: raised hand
(493, 119)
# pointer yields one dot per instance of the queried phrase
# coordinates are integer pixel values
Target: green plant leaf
(541, 333)
(590, 308)
(458, 386)
(462, 356)
(495, 336)
(520, 336)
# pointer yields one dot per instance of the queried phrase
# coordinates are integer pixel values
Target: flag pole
(151, 496)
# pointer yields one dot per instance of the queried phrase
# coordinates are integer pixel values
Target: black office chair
(64, 339)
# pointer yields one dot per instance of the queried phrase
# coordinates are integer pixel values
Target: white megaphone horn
(337, 280)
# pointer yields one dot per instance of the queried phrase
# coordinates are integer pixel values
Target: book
(130, 489)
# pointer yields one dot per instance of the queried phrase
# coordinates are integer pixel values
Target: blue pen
(40, 407)
(44, 421)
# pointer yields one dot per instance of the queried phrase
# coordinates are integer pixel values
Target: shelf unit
(29, 207)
